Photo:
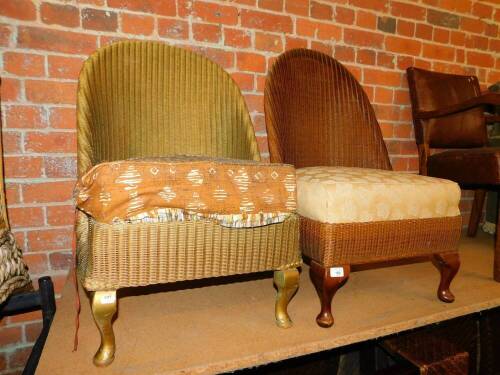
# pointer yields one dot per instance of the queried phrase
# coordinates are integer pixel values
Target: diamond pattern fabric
(355, 195)
(233, 192)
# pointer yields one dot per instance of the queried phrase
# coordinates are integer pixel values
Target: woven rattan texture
(358, 243)
(432, 354)
(148, 99)
(13, 271)
(317, 114)
(142, 254)
(443, 344)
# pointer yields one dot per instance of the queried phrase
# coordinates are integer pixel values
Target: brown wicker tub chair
(148, 100)
(353, 209)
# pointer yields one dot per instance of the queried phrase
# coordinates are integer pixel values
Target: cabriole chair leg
(287, 282)
(103, 309)
(448, 265)
(327, 280)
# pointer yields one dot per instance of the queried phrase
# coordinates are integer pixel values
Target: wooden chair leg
(327, 281)
(496, 255)
(287, 283)
(476, 212)
(103, 309)
(448, 265)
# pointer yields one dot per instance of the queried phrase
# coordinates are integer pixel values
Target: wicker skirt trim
(113, 256)
(358, 243)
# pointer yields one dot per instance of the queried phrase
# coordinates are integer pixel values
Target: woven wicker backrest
(318, 114)
(148, 99)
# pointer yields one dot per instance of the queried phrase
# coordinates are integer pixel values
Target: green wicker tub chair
(147, 102)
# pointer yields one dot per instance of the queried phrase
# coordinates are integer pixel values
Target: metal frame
(44, 300)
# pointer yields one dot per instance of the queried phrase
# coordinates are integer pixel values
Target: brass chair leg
(103, 309)
(287, 282)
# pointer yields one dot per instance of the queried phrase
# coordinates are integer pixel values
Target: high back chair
(147, 103)
(353, 208)
(448, 113)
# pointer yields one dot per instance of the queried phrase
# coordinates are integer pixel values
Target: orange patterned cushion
(235, 192)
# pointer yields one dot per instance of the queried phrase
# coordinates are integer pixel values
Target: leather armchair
(448, 116)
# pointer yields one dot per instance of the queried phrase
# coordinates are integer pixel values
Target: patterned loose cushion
(13, 271)
(351, 195)
(233, 192)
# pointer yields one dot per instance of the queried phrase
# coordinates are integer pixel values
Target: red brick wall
(44, 43)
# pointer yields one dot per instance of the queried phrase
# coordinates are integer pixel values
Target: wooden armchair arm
(484, 99)
(492, 119)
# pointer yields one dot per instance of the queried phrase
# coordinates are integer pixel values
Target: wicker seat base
(359, 243)
(333, 248)
(114, 256)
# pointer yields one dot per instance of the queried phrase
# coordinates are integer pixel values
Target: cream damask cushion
(352, 195)
(235, 193)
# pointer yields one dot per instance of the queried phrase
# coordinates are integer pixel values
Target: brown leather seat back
(317, 114)
(431, 91)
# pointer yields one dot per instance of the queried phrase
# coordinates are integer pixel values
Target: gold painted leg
(287, 282)
(104, 308)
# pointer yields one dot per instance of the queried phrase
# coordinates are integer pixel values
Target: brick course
(43, 44)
